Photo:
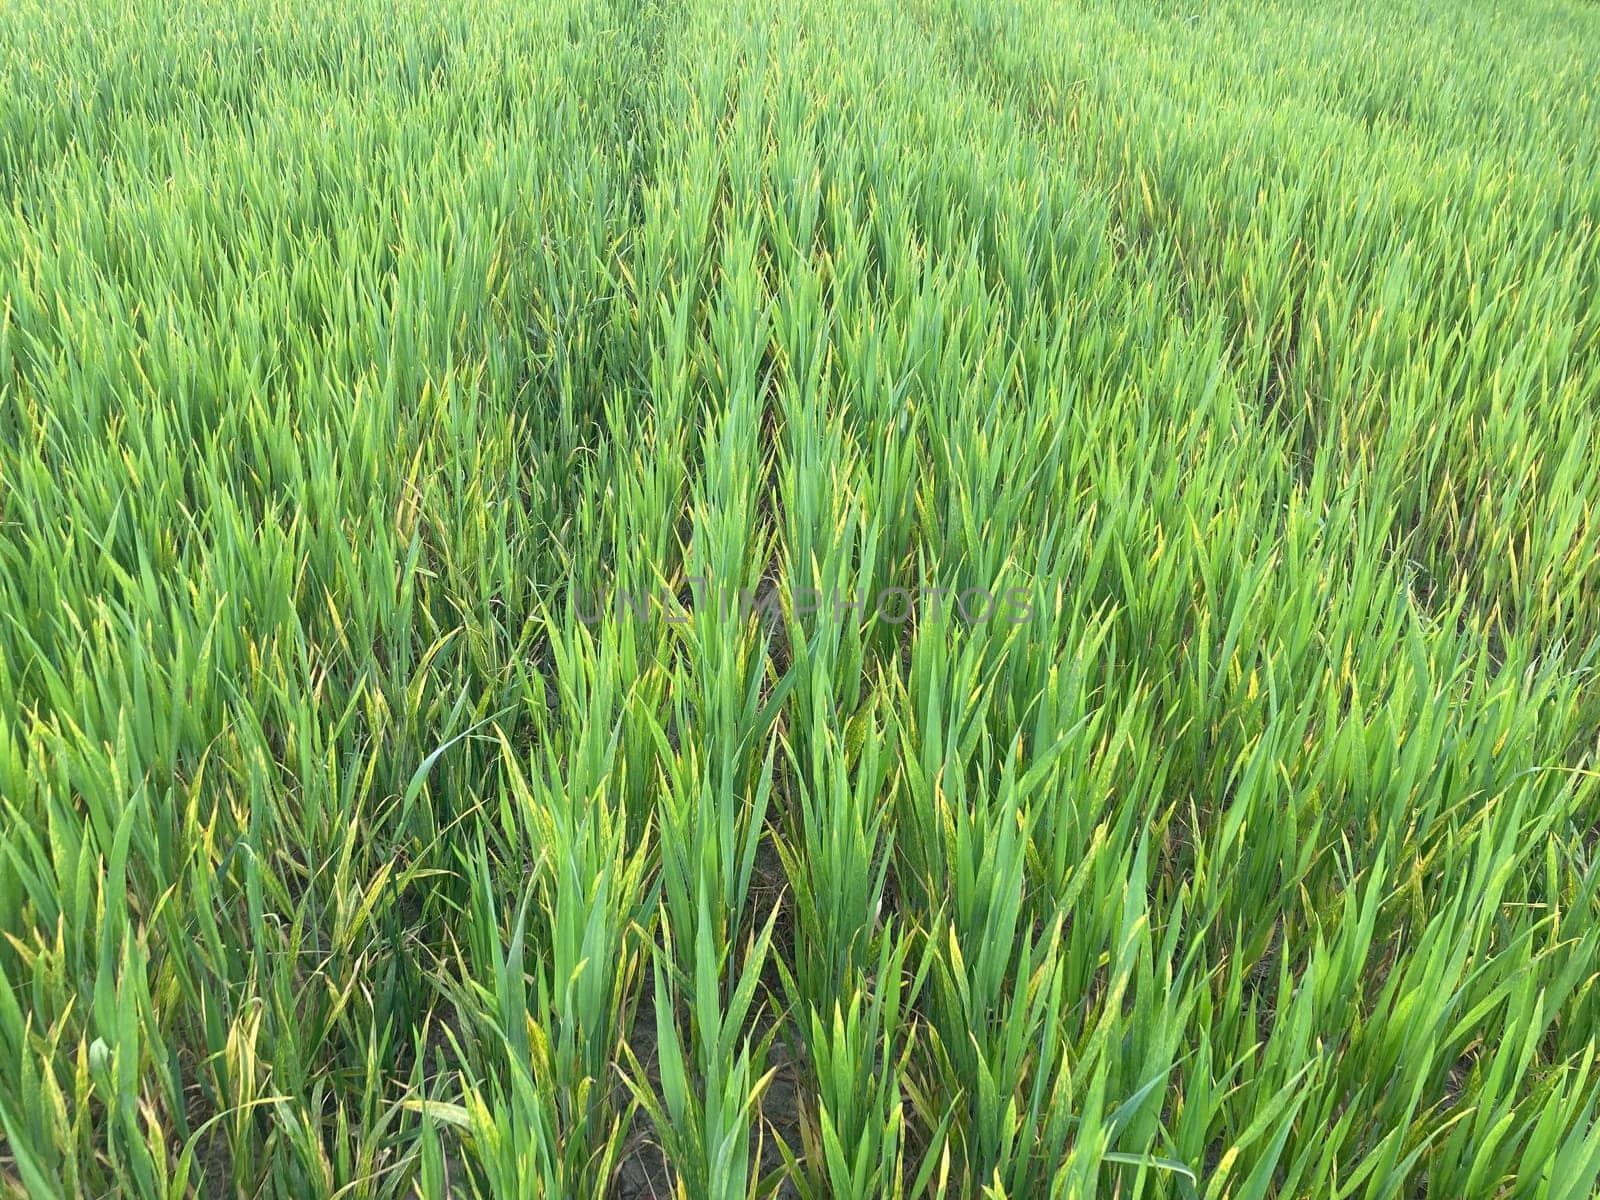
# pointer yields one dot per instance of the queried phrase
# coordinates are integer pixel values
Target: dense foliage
(875, 597)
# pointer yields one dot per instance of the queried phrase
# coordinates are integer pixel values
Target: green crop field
(825, 599)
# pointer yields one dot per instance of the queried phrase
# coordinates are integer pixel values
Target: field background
(349, 351)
